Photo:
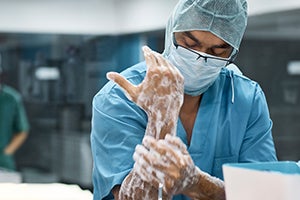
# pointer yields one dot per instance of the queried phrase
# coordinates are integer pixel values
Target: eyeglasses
(211, 60)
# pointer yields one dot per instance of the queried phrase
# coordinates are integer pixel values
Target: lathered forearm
(133, 188)
(158, 128)
(160, 95)
(206, 187)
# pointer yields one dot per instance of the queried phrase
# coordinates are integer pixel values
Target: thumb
(129, 89)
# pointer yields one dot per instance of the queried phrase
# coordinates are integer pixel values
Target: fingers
(176, 143)
(145, 167)
(180, 149)
(149, 57)
(169, 144)
(154, 59)
(166, 160)
(131, 90)
(157, 57)
(163, 161)
(162, 62)
(149, 159)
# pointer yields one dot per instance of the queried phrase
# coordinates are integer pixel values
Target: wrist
(192, 189)
(205, 186)
(165, 127)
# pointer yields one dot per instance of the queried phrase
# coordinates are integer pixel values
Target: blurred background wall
(56, 53)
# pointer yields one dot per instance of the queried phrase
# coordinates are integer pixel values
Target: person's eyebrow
(189, 35)
(222, 46)
(192, 37)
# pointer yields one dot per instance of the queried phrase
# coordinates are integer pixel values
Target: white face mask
(199, 72)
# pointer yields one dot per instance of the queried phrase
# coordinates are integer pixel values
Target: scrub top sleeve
(118, 125)
(20, 122)
(258, 142)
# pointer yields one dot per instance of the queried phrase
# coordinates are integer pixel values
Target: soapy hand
(168, 162)
(165, 161)
(160, 94)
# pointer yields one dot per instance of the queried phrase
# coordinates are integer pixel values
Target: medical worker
(14, 125)
(224, 117)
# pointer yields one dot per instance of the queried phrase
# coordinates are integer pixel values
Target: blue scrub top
(232, 125)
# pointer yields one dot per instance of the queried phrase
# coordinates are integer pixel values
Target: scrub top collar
(201, 126)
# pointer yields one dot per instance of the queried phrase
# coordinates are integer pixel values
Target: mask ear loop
(232, 58)
(232, 86)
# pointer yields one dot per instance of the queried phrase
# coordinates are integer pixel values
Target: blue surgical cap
(227, 19)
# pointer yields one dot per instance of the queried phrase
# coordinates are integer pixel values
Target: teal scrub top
(232, 125)
(12, 121)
